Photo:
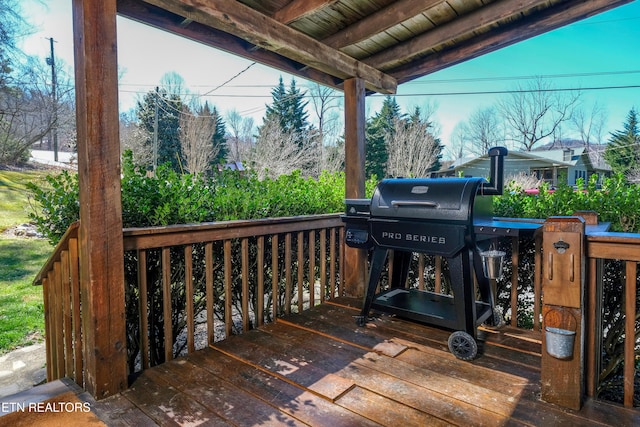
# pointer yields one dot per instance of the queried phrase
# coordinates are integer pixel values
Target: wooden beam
(147, 14)
(241, 21)
(299, 9)
(378, 22)
(354, 110)
(551, 19)
(484, 17)
(100, 234)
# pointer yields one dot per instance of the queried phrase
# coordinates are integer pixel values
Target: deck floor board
(319, 369)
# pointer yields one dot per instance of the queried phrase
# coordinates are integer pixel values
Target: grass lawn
(21, 307)
(14, 203)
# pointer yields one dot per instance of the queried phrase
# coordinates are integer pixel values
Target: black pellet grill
(434, 216)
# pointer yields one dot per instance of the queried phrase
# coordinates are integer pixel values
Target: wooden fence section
(60, 279)
(622, 247)
(231, 276)
(234, 275)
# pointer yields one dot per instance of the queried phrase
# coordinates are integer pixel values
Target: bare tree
(486, 130)
(457, 141)
(279, 153)
(325, 104)
(133, 137)
(196, 139)
(413, 149)
(27, 110)
(590, 124)
(240, 138)
(534, 112)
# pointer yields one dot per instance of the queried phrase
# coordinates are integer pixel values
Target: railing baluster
(74, 281)
(323, 265)
(537, 282)
(341, 261)
(208, 260)
(188, 281)
(300, 271)
(287, 273)
(515, 248)
(421, 271)
(332, 258)
(57, 273)
(275, 276)
(166, 303)
(245, 283)
(228, 292)
(630, 332)
(66, 307)
(438, 274)
(48, 326)
(312, 268)
(260, 284)
(143, 307)
(594, 324)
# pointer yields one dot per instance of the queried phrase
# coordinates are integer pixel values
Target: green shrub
(173, 198)
(616, 202)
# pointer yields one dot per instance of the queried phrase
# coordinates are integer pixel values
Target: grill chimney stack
(496, 180)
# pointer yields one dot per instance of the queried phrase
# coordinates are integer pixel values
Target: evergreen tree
(416, 118)
(288, 110)
(219, 139)
(168, 108)
(623, 150)
(377, 129)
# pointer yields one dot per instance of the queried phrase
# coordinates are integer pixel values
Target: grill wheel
(463, 346)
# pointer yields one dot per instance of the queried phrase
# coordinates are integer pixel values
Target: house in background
(553, 166)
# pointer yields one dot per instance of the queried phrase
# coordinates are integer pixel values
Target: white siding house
(551, 166)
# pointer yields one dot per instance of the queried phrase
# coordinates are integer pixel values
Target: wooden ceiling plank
(299, 9)
(564, 14)
(382, 20)
(239, 20)
(483, 17)
(147, 14)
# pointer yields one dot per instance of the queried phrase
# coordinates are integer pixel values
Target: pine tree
(623, 150)
(377, 130)
(288, 110)
(219, 139)
(168, 108)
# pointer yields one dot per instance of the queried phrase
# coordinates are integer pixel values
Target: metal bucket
(559, 342)
(492, 263)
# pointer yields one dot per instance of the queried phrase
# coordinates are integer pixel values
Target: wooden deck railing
(189, 285)
(60, 280)
(226, 276)
(613, 338)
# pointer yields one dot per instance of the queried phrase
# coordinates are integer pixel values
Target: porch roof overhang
(383, 42)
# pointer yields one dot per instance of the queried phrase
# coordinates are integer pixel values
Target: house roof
(549, 158)
(384, 42)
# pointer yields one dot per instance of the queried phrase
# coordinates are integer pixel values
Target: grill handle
(423, 203)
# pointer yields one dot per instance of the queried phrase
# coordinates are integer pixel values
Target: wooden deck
(319, 369)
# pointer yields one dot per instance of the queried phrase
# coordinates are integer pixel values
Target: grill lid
(442, 199)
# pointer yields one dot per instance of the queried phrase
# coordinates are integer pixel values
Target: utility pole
(54, 96)
(155, 133)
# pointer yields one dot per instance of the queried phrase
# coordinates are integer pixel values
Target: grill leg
(401, 264)
(377, 264)
(460, 268)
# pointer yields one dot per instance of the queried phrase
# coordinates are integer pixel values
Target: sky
(599, 56)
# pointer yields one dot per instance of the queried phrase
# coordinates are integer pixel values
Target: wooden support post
(354, 103)
(100, 235)
(563, 273)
